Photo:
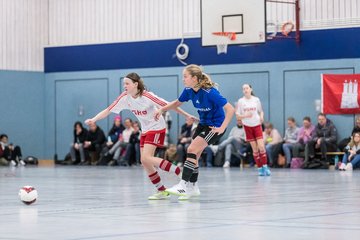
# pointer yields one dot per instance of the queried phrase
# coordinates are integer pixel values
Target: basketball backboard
(246, 18)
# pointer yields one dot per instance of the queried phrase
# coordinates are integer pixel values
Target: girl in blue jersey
(215, 114)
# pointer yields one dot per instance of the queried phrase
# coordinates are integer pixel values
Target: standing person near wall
(249, 110)
(144, 104)
(215, 114)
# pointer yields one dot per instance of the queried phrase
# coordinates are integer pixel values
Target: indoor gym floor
(111, 203)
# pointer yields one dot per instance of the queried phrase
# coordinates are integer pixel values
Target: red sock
(156, 180)
(263, 158)
(257, 159)
(169, 167)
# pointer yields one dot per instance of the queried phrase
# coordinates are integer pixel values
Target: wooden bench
(331, 153)
(332, 163)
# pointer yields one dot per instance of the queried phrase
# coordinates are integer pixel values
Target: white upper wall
(98, 21)
(24, 33)
(27, 26)
(317, 14)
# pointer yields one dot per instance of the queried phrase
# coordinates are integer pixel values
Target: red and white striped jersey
(143, 107)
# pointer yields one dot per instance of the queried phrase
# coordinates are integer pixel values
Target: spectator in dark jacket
(324, 138)
(113, 137)
(133, 148)
(9, 153)
(80, 135)
(95, 139)
(115, 131)
(184, 140)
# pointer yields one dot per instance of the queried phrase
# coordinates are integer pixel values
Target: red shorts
(155, 137)
(253, 133)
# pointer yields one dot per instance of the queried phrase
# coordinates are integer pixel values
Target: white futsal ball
(28, 194)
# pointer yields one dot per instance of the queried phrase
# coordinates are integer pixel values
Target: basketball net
(223, 41)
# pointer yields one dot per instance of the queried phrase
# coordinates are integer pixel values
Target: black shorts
(205, 132)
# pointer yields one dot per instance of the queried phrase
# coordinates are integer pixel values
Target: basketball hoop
(223, 40)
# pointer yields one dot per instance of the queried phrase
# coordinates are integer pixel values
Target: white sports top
(143, 107)
(252, 105)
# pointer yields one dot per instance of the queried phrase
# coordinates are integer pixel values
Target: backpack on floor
(31, 160)
(296, 163)
(316, 164)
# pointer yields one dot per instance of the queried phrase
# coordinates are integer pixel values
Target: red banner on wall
(340, 93)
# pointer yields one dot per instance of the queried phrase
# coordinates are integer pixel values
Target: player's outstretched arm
(171, 105)
(103, 114)
(186, 114)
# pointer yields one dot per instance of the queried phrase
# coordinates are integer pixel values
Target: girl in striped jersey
(249, 110)
(213, 122)
(144, 105)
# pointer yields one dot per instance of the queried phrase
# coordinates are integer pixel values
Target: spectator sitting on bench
(351, 158)
(93, 143)
(273, 142)
(306, 133)
(290, 139)
(324, 139)
(132, 152)
(118, 149)
(77, 147)
(344, 142)
(9, 153)
(113, 137)
(234, 143)
(184, 140)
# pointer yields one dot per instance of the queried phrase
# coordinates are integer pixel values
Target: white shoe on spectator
(22, 163)
(214, 148)
(226, 164)
(342, 167)
(13, 163)
(349, 167)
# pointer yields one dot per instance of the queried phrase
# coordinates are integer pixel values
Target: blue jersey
(209, 104)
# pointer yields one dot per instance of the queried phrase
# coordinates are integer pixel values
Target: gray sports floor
(111, 203)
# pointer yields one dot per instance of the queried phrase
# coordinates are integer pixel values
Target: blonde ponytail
(204, 80)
